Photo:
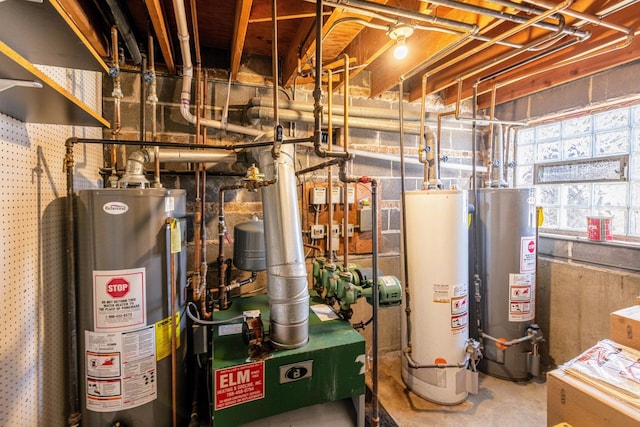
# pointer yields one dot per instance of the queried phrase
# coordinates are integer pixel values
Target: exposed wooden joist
(76, 13)
(158, 21)
(340, 36)
(306, 51)
(423, 45)
(367, 47)
(529, 80)
(241, 22)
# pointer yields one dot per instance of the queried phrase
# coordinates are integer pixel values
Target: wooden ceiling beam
(341, 36)
(307, 49)
(422, 45)
(162, 35)
(79, 17)
(241, 22)
(558, 70)
(367, 47)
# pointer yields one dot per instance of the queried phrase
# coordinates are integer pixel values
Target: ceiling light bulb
(401, 50)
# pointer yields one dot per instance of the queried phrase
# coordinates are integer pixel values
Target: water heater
(507, 248)
(130, 252)
(436, 329)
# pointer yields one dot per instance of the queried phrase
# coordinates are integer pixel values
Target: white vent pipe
(187, 76)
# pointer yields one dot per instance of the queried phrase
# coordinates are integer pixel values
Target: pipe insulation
(354, 111)
(286, 270)
(266, 113)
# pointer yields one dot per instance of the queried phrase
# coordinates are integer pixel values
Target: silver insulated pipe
(286, 271)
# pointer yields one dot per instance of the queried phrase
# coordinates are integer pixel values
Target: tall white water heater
(435, 332)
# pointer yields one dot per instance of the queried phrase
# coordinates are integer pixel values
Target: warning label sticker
(522, 297)
(120, 369)
(119, 299)
(440, 293)
(459, 305)
(528, 252)
(163, 336)
(459, 322)
(239, 384)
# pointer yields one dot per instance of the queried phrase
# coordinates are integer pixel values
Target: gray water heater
(506, 247)
(127, 242)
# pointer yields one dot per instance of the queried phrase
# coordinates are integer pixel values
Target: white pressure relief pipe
(187, 76)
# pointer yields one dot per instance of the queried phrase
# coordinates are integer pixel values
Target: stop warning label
(119, 299)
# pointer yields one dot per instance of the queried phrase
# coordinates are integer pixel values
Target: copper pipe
(117, 96)
(203, 195)
(174, 355)
(330, 169)
(345, 196)
(422, 137)
(153, 99)
(274, 56)
(499, 38)
(593, 19)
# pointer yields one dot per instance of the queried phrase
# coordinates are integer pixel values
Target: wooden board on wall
(361, 242)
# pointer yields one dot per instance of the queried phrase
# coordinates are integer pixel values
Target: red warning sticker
(239, 384)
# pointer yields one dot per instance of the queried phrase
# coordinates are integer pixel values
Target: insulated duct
(266, 113)
(338, 110)
(286, 270)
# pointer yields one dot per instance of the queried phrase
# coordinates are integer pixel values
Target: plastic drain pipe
(187, 76)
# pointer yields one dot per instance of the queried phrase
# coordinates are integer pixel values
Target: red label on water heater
(239, 384)
(528, 254)
(119, 302)
(117, 287)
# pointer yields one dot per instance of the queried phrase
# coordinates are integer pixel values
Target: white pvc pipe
(187, 76)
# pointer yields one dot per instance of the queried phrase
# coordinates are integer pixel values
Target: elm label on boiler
(239, 384)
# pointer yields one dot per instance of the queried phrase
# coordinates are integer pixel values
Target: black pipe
(319, 166)
(376, 289)
(403, 209)
(183, 144)
(72, 360)
(143, 100)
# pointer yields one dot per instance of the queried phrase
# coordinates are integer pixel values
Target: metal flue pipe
(286, 269)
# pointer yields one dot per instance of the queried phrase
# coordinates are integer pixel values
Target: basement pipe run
(187, 76)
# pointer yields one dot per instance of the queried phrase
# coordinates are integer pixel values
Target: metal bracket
(9, 83)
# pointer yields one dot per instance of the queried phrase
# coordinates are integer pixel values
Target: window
(604, 149)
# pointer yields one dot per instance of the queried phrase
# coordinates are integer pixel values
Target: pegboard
(33, 345)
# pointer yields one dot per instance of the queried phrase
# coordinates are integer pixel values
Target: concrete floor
(498, 403)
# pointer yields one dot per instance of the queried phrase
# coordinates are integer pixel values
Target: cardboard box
(625, 326)
(572, 401)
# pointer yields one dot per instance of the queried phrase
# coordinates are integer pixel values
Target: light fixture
(400, 34)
